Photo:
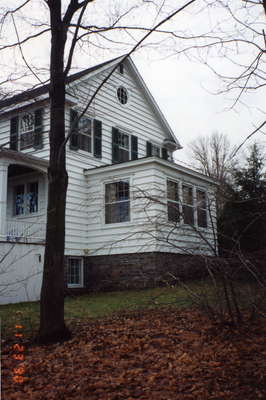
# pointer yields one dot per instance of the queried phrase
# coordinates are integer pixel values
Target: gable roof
(42, 90)
(33, 93)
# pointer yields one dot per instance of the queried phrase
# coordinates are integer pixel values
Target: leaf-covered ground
(150, 355)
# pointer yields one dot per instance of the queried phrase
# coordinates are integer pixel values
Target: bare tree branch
(21, 52)
(248, 137)
(120, 62)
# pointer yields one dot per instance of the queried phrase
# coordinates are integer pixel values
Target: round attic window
(122, 95)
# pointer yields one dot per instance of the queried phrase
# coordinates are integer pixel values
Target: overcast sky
(185, 92)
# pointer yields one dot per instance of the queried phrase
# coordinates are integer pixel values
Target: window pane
(201, 199)
(26, 122)
(74, 271)
(84, 142)
(110, 192)
(123, 211)
(155, 150)
(32, 197)
(173, 211)
(123, 147)
(123, 155)
(202, 218)
(116, 191)
(85, 126)
(117, 212)
(172, 190)
(84, 137)
(187, 195)
(26, 140)
(19, 200)
(202, 208)
(124, 141)
(188, 215)
(122, 191)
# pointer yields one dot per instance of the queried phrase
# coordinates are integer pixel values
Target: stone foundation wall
(139, 271)
(147, 270)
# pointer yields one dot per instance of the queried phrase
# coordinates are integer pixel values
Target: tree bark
(52, 325)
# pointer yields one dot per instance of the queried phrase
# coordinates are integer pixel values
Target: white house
(130, 207)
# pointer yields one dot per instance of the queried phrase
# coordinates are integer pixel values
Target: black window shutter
(115, 145)
(164, 153)
(73, 141)
(97, 138)
(148, 149)
(38, 136)
(13, 133)
(134, 147)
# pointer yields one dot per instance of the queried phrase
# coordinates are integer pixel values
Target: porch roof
(12, 155)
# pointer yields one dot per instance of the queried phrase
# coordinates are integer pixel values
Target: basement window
(75, 272)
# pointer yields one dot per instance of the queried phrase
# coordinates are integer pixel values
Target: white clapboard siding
(136, 117)
(86, 231)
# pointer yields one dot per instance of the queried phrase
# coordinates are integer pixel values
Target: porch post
(3, 198)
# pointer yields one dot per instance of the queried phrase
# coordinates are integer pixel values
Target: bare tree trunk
(52, 325)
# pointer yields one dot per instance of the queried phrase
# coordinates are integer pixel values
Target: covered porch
(23, 197)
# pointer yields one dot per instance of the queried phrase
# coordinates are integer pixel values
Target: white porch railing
(26, 231)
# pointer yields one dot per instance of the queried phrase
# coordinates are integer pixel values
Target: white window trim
(115, 180)
(82, 151)
(176, 202)
(159, 147)
(25, 183)
(81, 284)
(129, 134)
(20, 115)
(121, 84)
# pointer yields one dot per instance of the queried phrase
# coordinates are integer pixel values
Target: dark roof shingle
(32, 93)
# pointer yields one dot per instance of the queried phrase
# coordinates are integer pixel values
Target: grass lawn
(94, 305)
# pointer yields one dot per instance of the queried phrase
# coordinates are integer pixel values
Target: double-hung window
(26, 198)
(26, 130)
(124, 146)
(75, 272)
(85, 134)
(117, 202)
(173, 201)
(157, 151)
(201, 208)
